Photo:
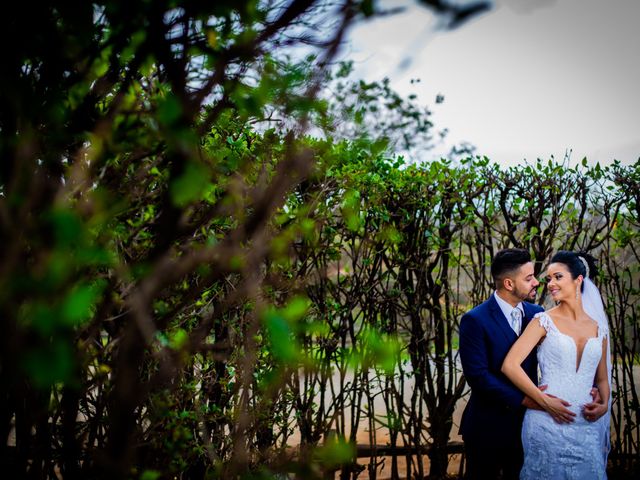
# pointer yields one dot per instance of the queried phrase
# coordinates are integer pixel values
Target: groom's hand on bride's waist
(595, 409)
(595, 396)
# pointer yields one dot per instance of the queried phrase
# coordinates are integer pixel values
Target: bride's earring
(578, 292)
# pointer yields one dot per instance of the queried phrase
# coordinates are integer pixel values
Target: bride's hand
(557, 408)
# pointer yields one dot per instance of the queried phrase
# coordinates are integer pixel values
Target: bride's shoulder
(601, 328)
(544, 319)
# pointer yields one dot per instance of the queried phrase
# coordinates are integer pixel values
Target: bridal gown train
(565, 451)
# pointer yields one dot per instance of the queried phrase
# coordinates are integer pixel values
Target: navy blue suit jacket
(494, 412)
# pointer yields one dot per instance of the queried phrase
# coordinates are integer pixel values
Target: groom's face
(525, 283)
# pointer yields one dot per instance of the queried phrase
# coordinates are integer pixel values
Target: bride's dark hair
(575, 264)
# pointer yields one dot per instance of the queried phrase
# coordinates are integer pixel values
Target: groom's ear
(507, 283)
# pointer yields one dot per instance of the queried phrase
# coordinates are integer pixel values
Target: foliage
(373, 110)
(192, 287)
(137, 204)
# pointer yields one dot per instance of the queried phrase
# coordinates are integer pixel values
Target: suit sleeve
(475, 365)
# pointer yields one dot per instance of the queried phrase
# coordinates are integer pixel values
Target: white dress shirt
(507, 309)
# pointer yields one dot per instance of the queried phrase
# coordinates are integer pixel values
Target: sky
(527, 79)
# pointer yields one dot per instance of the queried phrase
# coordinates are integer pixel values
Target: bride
(573, 355)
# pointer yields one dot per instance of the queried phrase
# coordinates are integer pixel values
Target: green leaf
(283, 344)
(381, 350)
(42, 317)
(50, 363)
(67, 227)
(150, 475)
(178, 339)
(296, 309)
(78, 305)
(336, 451)
(169, 110)
(191, 185)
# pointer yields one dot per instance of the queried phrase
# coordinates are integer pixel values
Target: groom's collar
(506, 307)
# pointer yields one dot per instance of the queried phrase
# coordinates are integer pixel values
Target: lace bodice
(559, 367)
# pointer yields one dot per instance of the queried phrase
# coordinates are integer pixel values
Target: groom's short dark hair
(507, 261)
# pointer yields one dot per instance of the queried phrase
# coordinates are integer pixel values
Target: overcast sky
(528, 79)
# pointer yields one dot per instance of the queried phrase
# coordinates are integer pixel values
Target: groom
(492, 420)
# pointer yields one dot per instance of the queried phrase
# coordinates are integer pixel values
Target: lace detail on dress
(567, 451)
(545, 321)
(603, 331)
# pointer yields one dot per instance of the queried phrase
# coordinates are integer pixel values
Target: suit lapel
(500, 320)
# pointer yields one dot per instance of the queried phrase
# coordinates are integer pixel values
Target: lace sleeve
(603, 331)
(545, 321)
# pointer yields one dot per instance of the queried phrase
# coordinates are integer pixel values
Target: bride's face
(560, 284)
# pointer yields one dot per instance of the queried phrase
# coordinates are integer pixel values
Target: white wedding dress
(565, 451)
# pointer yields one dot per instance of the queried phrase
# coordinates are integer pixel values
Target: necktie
(516, 320)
